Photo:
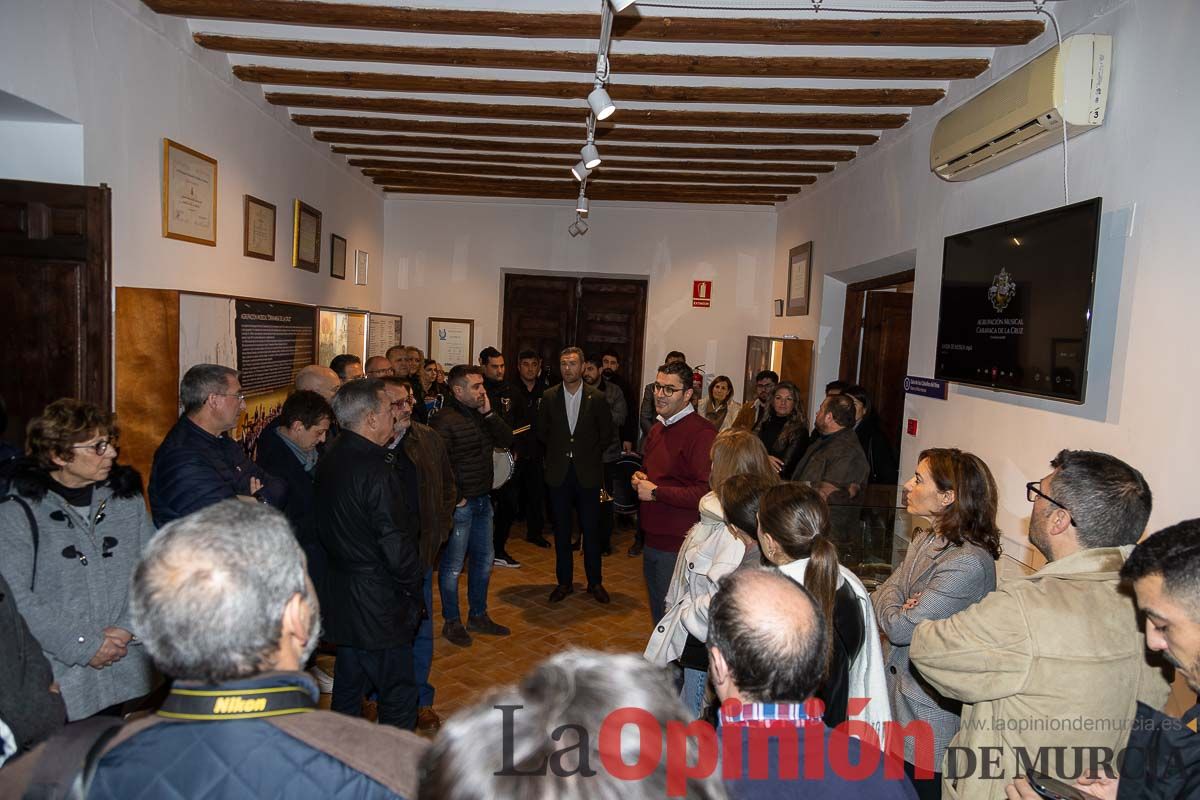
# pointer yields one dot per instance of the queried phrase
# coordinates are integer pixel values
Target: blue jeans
(423, 647)
(658, 566)
(694, 684)
(471, 543)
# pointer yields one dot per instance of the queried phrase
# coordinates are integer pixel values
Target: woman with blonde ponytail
(793, 532)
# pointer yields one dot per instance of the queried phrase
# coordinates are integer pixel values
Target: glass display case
(872, 532)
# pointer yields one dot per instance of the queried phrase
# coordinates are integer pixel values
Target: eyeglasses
(99, 448)
(239, 395)
(402, 403)
(1033, 491)
(665, 391)
(384, 371)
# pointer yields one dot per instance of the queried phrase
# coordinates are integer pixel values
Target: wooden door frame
(854, 315)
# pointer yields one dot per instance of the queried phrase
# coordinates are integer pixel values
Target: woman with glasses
(433, 391)
(794, 535)
(719, 407)
(72, 529)
(710, 551)
(947, 568)
(783, 429)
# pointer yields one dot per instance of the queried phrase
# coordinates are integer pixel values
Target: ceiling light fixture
(581, 205)
(601, 104)
(580, 171)
(620, 5)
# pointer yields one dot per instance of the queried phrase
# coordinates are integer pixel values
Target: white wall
(448, 258)
(50, 152)
(1144, 164)
(130, 77)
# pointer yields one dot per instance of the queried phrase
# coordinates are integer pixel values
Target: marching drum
(503, 465)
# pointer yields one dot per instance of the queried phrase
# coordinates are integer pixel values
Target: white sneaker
(506, 561)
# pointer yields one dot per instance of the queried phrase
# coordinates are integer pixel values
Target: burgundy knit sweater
(676, 460)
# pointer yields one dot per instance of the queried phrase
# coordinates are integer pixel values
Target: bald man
(379, 367)
(767, 652)
(319, 379)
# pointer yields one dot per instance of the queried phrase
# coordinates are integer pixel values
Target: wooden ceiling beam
(565, 132)
(595, 192)
(636, 151)
(658, 28)
(601, 193)
(565, 161)
(621, 63)
(608, 173)
(562, 90)
(531, 113)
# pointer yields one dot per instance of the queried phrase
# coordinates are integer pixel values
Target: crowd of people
(206, 609)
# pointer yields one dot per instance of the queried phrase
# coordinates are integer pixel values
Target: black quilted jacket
(470, 439)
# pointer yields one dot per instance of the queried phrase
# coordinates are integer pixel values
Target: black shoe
(635, 549)
(560, 592)
(503, 559)
(455, 633)
(538, 541)
(484, 624)
(599, 593)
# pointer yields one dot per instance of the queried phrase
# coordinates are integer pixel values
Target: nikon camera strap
(207, 705)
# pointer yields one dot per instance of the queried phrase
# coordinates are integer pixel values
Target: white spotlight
(581, 206)
(590, 155)
(580, 171)
(581, 226)
(601, 103)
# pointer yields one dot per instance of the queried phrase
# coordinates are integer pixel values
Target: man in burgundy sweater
(676, 464)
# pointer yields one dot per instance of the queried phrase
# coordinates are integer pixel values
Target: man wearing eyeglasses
(1056, 652)
(764, 388)
(676, 464)
(197, 463)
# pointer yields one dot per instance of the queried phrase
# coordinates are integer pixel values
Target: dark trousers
(926, 788)
(530, 484)
(607, 515)
(504, 501)
(564, 499)
(389, 672)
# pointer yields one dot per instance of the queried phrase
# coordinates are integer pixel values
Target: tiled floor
(518, 599)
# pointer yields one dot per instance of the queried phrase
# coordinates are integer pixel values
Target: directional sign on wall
(701, 294)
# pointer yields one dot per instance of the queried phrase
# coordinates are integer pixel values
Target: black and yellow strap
(206, 705)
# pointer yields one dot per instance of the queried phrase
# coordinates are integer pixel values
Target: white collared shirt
(687, 409)
(573, 401)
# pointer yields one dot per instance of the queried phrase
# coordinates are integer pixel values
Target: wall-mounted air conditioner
(1025, 111)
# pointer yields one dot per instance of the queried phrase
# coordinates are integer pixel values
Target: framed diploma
(799, 279)
(258, 228)
(337, 257)
(451, 341)
(189, 184)
(360, 267)
(306, 237)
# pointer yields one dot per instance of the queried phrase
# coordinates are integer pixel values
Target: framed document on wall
(451, 341)
(337, 256)
(799, 279)
(306, 237)
(258, 228)
(360, 267)
(189, 186)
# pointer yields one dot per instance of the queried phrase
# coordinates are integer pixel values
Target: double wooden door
(56, 281)
(546, 313)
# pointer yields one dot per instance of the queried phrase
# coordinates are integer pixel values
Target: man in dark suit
(575, 426)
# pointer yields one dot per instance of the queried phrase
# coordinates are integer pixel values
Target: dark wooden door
(612, 316)
(56, 281)
(885, 357)
(546, 313)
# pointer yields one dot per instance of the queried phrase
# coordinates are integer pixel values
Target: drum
(503, 465)
(624, 497)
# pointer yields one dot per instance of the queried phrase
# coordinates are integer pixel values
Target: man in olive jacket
(369, 526)
(575, 425)
(1055, 653)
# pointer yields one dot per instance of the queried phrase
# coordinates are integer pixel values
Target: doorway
(56, 278)
(875, 335)
(546, 313)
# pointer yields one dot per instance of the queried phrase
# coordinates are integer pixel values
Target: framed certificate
(258, 228)
(337, 257)
(451, 341)
(189, 186)
(799, 279)
(360, 267)
(306, 237)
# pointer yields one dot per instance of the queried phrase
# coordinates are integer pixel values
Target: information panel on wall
(274, 342)
(341, 332)
(384, 331)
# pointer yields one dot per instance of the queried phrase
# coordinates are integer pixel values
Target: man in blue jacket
(197, 463)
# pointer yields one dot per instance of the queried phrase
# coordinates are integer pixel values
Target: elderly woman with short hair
(72, 530)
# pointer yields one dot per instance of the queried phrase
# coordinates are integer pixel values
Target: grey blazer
(949, 580)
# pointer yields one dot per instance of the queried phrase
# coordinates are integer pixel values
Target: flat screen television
(1016, 306)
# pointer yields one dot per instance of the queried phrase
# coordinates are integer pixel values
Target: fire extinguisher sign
(701, 294)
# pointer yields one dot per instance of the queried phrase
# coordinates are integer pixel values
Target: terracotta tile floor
(518, 599)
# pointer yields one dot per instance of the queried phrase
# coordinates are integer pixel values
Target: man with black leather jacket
(503, 401)
(368, 521)
(471, 430)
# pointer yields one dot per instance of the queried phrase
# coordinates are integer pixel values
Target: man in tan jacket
(1055, 657)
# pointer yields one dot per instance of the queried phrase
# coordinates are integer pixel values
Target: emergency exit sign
(701, 294)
